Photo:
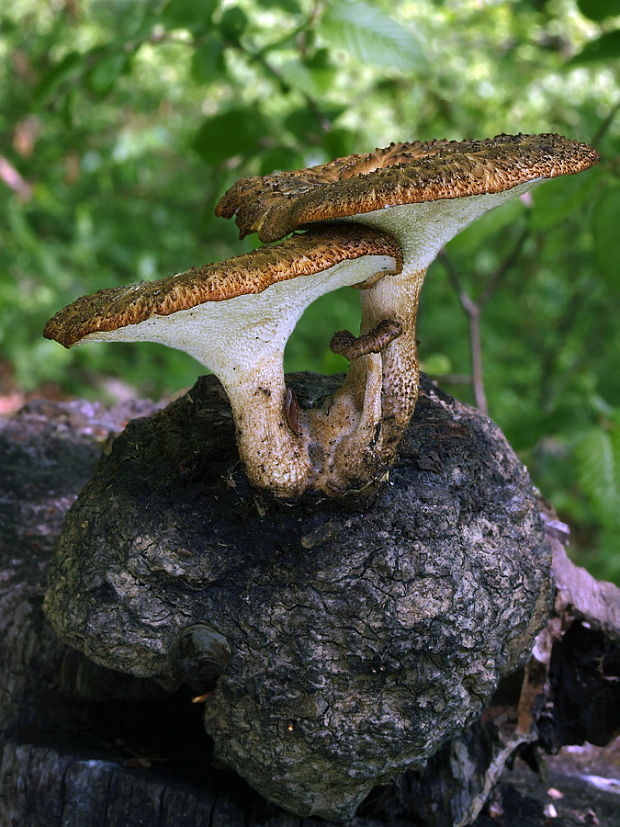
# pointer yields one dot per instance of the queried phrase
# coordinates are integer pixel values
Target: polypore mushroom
(423, 194)
(235, 317)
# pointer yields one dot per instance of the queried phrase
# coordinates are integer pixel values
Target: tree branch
(473, 310)
(498, 276)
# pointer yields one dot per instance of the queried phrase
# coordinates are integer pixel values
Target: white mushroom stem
(422, 230)
(396, 299)
(242, 341)
(274, 454)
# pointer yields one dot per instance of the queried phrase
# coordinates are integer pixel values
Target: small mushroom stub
(352, 347)
(235, 317)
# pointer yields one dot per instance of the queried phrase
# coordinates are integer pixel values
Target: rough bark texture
(84, 745)
(352, 642)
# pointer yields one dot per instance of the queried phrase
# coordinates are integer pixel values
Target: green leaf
(339, 142)
(437, 364)
(123, 18)
(371, 36)
(556, 200)
(69, 107)
(236, 132)
(598, 474)
(605, 233)
(599, 9)
(105, 72)
(606, 47)
(614, 418)
(296, 74)
(67, 68)
(323, 71)
(320, 59)
(605, 565)
(233, 23)
(305, 125)
(279, 159)
(208, 60)
(194, 15)
(7, 26)
(290, 6)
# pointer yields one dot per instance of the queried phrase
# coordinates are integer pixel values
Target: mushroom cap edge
(403, 173)
(303, 254)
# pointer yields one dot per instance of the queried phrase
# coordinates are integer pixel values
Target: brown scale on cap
(302, 255)
(404, 173)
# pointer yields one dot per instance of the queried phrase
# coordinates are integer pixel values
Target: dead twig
(473, 311)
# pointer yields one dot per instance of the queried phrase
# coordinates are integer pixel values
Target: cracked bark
(77, 737)
(360, 640)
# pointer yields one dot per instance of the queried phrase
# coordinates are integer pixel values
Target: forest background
(122, 122)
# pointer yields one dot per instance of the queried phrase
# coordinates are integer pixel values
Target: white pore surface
(423, 229)
(247, 334)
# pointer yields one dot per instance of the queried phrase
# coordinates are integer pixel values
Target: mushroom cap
(302, 255)
(404, 173)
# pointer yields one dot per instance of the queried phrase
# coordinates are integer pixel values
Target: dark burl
(350, 643)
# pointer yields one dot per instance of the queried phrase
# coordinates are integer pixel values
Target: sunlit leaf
(125, 18)
(371, 36)
(297, 75)
(436, 364)
(312, 82)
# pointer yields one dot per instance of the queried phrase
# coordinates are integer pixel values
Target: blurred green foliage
(123, 121)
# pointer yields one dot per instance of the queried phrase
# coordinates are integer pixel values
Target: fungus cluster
(374, 221)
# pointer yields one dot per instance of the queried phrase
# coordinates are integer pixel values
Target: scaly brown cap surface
(405, 173)
(302, 255)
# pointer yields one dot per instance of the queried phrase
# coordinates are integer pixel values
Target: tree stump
(87, 745)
